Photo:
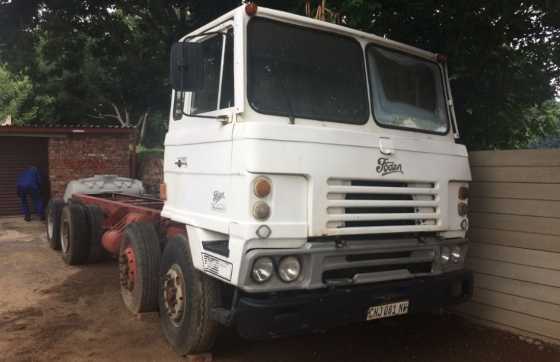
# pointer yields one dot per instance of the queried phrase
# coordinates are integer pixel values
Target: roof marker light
(441, 58)
(251, 9)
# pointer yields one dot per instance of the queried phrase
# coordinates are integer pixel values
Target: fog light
(445, 254)
(262, 269)
(456, 254)
(289, 269)
(262, 187)
(261, 210)
(263, 232)
(462, 209)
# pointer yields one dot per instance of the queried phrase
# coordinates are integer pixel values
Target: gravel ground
(53, 312)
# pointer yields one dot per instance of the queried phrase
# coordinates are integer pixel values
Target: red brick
(85, 155)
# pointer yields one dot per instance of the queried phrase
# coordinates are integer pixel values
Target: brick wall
(84, 155)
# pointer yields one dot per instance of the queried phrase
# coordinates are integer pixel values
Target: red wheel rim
(127, 268)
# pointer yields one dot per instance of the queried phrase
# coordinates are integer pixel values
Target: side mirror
(187, 67)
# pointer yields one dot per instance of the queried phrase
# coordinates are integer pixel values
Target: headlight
(456, 254)
(261, 210)
(262, 269)
(445, 254)
(289, 269)
(262, 187)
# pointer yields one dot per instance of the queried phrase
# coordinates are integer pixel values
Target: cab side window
(218, 75)
(218, 78)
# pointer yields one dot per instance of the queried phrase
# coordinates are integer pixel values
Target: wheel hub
(174, 293)
(127, 268)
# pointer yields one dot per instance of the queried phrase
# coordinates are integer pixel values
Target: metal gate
(16, 154)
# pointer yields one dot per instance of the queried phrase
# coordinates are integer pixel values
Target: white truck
(312, 179)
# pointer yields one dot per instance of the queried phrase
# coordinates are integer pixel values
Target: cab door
(199, 141)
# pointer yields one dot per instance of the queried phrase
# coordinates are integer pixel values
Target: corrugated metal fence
(515, 241)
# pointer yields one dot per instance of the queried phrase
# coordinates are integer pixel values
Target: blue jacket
(29, 178)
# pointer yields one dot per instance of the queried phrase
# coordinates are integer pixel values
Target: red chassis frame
(120, 210)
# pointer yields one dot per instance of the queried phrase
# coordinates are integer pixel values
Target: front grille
(373, 206)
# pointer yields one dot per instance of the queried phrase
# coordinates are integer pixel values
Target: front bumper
(259, 316)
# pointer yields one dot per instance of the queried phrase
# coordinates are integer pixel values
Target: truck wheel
(54, 209)
(139, 259)
(74, 234)
(186, 298)
(96, 217)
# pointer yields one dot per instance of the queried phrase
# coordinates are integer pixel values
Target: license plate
(387, 310)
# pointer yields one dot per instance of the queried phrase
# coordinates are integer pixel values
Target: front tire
(186, 298)
(54, 211)
(139, 259)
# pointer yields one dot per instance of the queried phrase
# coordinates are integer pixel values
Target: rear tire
(139, 259)
(54, 211)
(74, 232)
(96, 217)
(186, 299)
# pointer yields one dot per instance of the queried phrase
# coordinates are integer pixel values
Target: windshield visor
(298, 72)
(407, 92)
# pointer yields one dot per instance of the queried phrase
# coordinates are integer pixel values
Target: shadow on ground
(53, 312)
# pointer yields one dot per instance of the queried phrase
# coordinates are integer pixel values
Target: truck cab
(316, 171)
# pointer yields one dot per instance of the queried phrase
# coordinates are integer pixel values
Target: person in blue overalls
(29, 184)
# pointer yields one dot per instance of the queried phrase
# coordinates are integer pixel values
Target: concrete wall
(84, 155)
(515, 235)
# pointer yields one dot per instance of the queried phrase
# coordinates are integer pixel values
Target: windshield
(300, 72)
(407, 92)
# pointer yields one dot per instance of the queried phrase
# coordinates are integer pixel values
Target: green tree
(546, 118)
(504, 56)
(15, 90)
(107, 61)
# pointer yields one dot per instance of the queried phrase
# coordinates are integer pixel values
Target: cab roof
(317, 24)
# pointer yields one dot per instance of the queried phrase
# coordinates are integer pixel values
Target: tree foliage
(107, 61)
(544, 116)
(16, 100)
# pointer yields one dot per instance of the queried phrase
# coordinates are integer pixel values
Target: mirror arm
(222, 118)
(200, 35)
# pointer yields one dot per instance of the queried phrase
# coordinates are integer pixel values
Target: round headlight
(262, 187)
(289, 269)
(445, 254)
(262, 269)
(456, 254)
(261, 210)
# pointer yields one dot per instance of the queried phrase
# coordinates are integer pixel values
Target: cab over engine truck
(311, 179)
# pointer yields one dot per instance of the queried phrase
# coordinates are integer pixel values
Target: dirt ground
(53, 312)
